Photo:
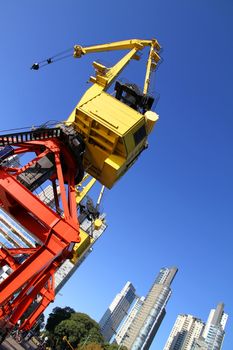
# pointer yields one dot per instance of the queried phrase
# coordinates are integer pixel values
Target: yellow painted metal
(105, 76)
(152, 61)
(85, 239)
(118, 45)
(97, 224)
(67, 341)
(80, 248)
(108, 127)
(114, 133)
(81, 191)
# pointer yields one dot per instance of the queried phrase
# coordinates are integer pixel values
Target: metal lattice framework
(55, 233)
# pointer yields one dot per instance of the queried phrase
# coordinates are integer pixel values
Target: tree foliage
(80, 330)
(56, 316)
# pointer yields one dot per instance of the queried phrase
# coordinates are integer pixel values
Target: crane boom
(134, 45)
(117, 45)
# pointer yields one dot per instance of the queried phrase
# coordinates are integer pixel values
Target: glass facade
(152, 319)
(146, 322)
(117, 311)
(214, 338)
(129, 319)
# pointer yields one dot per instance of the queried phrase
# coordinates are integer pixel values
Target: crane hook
(59, 56)
(36, 65)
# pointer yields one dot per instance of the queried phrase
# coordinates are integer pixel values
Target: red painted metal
(55, 233)
(18, 251)
(7, 258)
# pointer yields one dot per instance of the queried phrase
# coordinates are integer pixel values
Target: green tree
(57, 315)
(79, 329)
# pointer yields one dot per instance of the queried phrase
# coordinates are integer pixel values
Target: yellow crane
(114, 128)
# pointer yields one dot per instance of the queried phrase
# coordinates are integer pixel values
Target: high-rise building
(117, 311)
(214, 331)
(184, 332)
(190, 333)
(199, 344)
(127, 322)
(147, 320)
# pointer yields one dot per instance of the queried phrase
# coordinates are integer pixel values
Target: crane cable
(58, 57)
(47, 124)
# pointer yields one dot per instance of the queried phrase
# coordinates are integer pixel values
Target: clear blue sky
(174, 207)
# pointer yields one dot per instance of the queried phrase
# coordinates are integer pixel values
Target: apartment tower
(214, 330)
(129, 319)
(190, 333)
(143, 327)
(117, 311)
(186, 329)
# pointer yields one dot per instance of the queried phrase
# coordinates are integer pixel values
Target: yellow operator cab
(114, 128)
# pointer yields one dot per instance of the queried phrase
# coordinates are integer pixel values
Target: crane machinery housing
(103, 137)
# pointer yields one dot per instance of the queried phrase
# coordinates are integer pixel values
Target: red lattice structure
(55, 232)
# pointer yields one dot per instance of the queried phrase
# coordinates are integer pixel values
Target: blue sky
(174, 207)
